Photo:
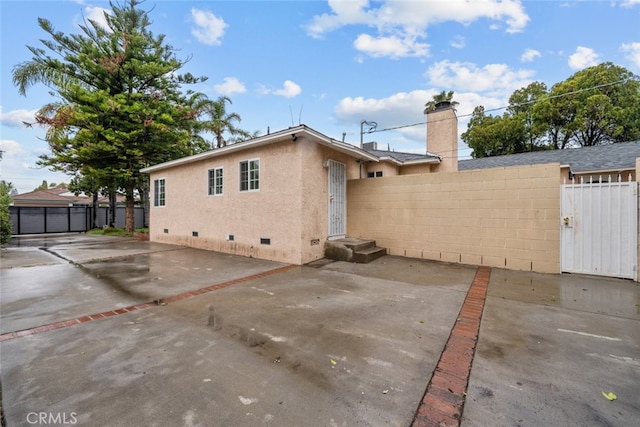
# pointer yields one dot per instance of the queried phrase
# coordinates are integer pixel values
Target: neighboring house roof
(44, 196)
(399, 157)
(291, 133)
(599, 158)
(58, 196)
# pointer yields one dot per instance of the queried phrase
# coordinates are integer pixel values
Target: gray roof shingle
(400, 156)
(612, 157)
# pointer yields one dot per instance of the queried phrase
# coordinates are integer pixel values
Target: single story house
(283, 195)
(279, 196)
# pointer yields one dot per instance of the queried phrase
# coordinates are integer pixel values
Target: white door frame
(337, 199)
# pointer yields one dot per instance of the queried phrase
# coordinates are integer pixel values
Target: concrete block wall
(503, 217)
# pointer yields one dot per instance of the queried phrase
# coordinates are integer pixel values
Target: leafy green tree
(493, 136)
(5, 219)
(121, 105)
(597, 105)
(43, 186)
(521, 110)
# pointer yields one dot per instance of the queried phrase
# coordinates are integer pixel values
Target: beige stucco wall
(248, 216)
(387, 168)
(504, 217)
(391, 169)
(290, 208)
(418, 168)
(442, 138)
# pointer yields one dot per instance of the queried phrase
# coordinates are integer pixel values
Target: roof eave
(603, 171)
(422, 161)
(264, 140)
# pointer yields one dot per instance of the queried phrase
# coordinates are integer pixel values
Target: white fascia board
(602, 172)
(390, 160)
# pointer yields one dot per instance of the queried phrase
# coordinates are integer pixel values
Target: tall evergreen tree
(122, 105)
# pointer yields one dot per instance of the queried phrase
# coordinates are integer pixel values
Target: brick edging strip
(444, 398)
(163, 301)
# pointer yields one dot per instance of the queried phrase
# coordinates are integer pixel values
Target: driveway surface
(106, 331)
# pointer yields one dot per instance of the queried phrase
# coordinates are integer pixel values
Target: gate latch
(566, 221)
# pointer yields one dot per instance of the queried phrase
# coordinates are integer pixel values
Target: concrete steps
(353, 250)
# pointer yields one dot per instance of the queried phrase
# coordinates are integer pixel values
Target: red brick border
(443, 400)
(91, 317)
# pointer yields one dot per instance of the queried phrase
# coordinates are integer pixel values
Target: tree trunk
(113, 204)
(129, 218)
(94, 213)
(143, 192)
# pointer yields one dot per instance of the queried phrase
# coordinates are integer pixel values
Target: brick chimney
(442, 135)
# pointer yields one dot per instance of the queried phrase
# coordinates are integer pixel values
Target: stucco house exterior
(278, 197)
(284, 195)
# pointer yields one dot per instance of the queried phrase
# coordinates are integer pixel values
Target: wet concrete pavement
(338, 344)
(549, 346)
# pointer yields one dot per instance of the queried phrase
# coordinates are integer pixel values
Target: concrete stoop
(353, 250)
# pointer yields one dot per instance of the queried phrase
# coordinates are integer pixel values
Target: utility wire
(505, 107)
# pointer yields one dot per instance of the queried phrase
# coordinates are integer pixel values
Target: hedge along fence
(502, 217)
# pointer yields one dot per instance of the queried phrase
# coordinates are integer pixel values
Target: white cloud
(458, 42)
(289, 90)
(16, 118)
(399, 24)
(630, 3)
(391, 46)
(582, 58)
(496, 79)
(209, 28)
(97, 14)
(93, 13)
(633, 52)
(10, 148)
(230, 86)
(407, 108)
(529, 55)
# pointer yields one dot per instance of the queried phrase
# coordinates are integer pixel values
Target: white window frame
(213, 187)
(252, 179)
(159, 192)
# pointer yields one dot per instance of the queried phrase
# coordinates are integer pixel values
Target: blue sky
(332, 64)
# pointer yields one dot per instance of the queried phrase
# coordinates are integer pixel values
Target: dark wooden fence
(67, 219)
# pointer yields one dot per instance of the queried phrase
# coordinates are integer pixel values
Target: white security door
(337, 199)
(599, 229)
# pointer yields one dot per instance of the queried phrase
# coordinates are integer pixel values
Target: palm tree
(220, 121)
(442, 97)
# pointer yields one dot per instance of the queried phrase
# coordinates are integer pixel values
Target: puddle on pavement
(615, 297)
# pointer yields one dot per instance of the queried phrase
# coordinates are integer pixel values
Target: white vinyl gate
(599, 228)
(337, 199)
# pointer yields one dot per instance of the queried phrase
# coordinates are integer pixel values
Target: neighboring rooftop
(398, 156)
(57, 196)
(600, 158)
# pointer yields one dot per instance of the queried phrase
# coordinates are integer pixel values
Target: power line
(507, 106)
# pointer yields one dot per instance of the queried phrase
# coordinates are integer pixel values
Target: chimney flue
(442, 135)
